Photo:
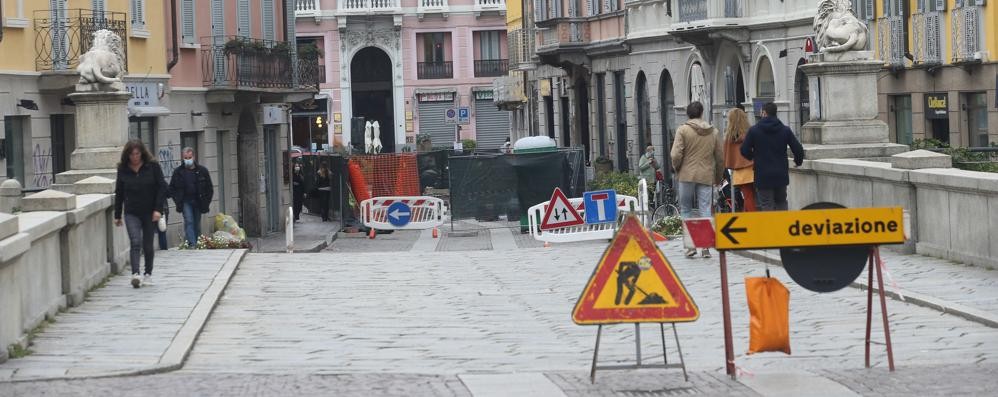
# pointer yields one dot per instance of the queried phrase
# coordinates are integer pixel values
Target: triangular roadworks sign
(634, 283)
(560, 213)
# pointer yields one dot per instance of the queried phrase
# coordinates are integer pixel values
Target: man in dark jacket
(766, 143)
(192, 192)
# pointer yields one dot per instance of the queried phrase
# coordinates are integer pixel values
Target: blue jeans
(692, 194)
(192, 222)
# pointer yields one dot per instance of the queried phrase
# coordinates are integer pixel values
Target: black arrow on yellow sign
(727, 230)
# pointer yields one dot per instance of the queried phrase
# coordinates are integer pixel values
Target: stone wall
(953, 214)
(52, 252)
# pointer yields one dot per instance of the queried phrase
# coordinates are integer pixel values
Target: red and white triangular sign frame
(557, 204)
(678, 305)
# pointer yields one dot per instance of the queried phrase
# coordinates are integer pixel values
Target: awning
(148, 111)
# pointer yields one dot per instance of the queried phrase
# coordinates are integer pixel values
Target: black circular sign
(824, 269)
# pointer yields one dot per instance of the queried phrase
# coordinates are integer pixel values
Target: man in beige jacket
(698, 159)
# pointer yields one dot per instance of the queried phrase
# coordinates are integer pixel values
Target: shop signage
(143, 94)
(436, 97)
(936, 106)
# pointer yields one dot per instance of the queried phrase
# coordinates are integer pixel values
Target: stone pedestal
(843, 95)
(101, 132)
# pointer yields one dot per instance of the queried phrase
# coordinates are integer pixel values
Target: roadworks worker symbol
(634, 283)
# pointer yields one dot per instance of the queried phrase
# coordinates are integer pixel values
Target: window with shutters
(138, 15)
(268, 20)
(243, 23)
(187, 22)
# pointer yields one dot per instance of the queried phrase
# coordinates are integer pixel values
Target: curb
(915, 298)
(183, 341)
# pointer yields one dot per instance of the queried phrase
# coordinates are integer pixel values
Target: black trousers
(141, 232)
(772, 199)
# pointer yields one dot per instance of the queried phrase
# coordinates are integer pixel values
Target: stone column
(10, 195)
(101, 131)
(843, 94)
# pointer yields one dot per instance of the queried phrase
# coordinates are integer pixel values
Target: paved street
(412, 319)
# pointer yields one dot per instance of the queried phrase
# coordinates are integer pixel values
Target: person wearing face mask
(298, 190)
(192, 194)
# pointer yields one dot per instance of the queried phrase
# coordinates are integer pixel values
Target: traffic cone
(659, 237)
(435, 235)
(370, 234)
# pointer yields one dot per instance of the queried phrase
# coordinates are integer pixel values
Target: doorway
(371, 92)
(623, 164)
(644, 110)
(667, 102)
(566, 128)
(977, 119)
(582, 98)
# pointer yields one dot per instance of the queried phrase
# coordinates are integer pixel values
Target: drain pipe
(175, 56)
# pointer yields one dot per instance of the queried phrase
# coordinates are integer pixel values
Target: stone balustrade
(59, 246)
(953, 213)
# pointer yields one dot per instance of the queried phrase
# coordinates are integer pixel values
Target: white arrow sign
(398, 214)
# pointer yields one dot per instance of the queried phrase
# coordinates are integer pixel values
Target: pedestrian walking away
(766, 144)
(742, 171)
(697, 159)
(140, 192)
(192, 193)
(322, 184)
(298, 190)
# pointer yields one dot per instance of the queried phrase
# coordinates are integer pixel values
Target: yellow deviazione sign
(783, 229)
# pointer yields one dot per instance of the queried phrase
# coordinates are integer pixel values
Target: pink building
(404, 64)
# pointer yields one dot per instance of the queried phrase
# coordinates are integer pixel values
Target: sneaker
(147, 280)
(136, 281)
(705, 253)
(691, 252)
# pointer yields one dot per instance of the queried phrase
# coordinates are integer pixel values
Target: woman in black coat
(140, 192)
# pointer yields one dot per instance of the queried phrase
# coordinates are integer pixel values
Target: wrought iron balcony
(966, 34)
(891, 36)
(308, 8)
(927, 30)
(435, 70)
(365, 7)
(491, 67)
(310, 72)
(239, 62)
(61, 39)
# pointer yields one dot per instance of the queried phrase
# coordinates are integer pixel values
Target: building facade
(404, 64)
(940, 77)
(218, 82)
(630, 68)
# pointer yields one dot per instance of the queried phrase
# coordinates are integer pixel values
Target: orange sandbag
(769, 310)
(358, 185)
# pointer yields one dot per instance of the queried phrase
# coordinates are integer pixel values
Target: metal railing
(307, 7)
(927, 33)
(432, 6)
(966, 32)
(240, 62)
(984, 159)
(61, 39)
(891, 40)
(365, 6)
(491, 67)
(310, 72)
(435, 70)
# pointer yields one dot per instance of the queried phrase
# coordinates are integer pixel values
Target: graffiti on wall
(168, 159)
(41, 161)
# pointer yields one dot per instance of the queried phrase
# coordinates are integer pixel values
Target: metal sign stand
(637, 345)
(729, 352)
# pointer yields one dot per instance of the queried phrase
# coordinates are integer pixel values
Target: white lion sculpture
(103, 62)
(837, 28)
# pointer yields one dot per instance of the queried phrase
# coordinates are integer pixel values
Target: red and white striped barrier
(581, 232)
(425, 212)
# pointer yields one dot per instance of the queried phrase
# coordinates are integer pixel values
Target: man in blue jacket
(766, 143)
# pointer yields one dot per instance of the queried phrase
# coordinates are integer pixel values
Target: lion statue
(837, 28)
(103, 62)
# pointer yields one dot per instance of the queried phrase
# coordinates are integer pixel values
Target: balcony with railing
(242, 63)
(966, 29)
(927, 30)
(491, 67)
(432, 7)
(435, 70)
(308, 8)
(481, 6)
(891, 40)
(60, 40)
(311, 73)
(521, 49)
(369, 7)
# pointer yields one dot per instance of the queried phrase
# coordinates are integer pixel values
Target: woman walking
(322, 182)
(741, 167)
(141, 189)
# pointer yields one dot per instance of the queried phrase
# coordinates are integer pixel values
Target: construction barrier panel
(584, 232)
(424, 212)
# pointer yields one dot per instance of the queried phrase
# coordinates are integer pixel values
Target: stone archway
(372, 94)
(357, 39)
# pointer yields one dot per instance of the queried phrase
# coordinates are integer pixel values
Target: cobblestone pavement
(397, 241)
(969, 285)
(120, 328)
(457, 312)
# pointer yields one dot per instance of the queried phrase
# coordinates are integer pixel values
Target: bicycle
(666, 205)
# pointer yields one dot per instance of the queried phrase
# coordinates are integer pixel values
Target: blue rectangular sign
(600, 206)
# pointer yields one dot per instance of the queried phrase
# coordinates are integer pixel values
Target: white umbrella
(376, 140)
(367, 137)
